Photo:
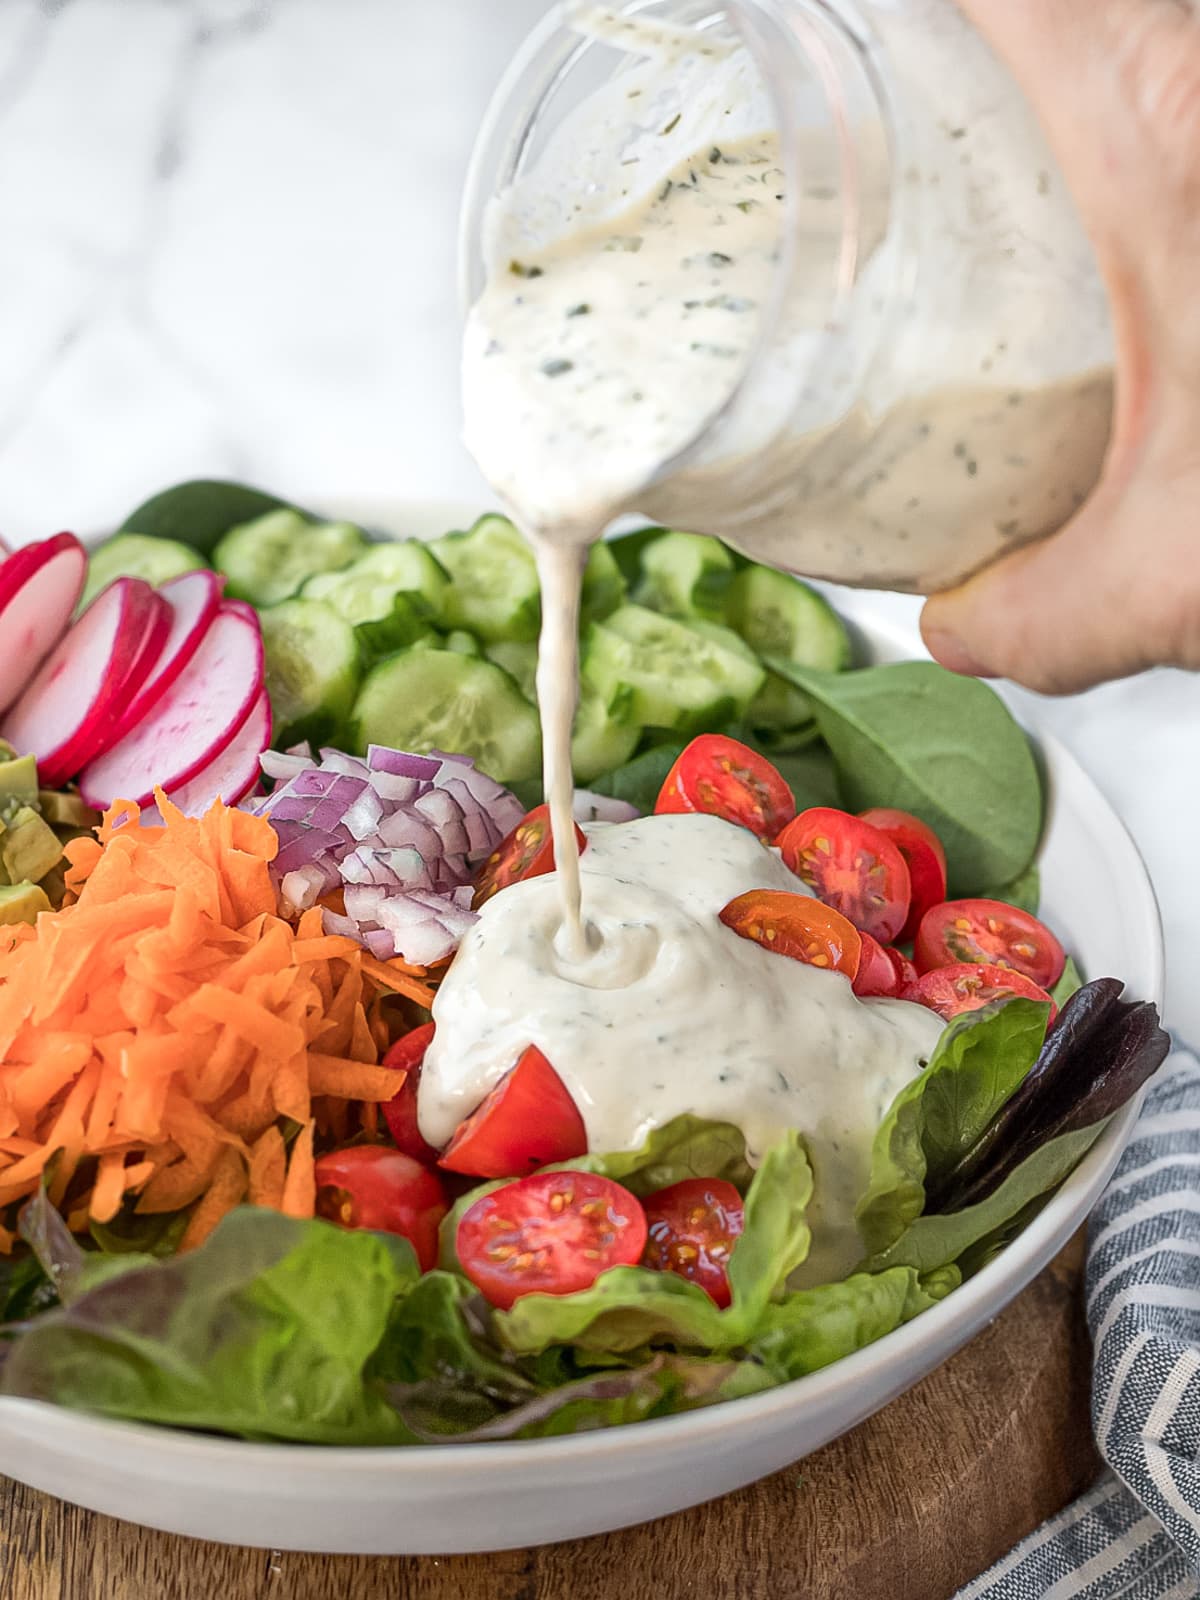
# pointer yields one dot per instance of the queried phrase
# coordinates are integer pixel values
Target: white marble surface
(227, 246)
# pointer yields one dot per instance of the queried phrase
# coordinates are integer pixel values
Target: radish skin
(235, 771)
(196, 719)
(65, 714)
(193, 599)
(40, 585)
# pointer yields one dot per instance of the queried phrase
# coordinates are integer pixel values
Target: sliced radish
(154, 638)
(65, 714)
(235, 771)
(193, 599)
(191, 725)
(40, 585)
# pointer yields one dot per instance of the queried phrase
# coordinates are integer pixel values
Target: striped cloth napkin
(1136, 1535)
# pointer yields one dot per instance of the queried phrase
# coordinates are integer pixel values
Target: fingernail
(949, 649)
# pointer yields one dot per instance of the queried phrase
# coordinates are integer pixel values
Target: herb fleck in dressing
(672, 1012)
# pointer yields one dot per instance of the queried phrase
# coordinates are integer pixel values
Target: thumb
(1060, 615)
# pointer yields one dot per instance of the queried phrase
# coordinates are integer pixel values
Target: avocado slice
(63, 810)
(29, 847)
(18, 784)
(22, 902)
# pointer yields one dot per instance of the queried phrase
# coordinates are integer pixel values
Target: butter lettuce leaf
(812, 1328)
(628, 1307)
(266, 1332)
(977, 1064)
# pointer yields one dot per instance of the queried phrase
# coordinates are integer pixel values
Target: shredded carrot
(155, 1031)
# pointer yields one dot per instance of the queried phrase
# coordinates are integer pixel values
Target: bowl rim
(957, 1317)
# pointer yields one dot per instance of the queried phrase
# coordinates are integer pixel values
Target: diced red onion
(303, 887)
(281, 768)
(403, 764)
(381, 945)
(590, 807)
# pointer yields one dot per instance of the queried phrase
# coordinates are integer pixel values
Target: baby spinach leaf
(200, 512)
(639, 780)
(1070, 983)
(946, 748)
(1024, 891)
(977, 1064)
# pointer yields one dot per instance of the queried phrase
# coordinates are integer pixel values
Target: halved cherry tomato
(728, 779)
(796, 925)
(400, 1112)
(527, 852)
(371, 1186)
(552, 1233)
(924, 857)
(991, 932)
(876, 975)
(906, 973)
(850, 865)
(692, 1228)
(965, 986)
(528, 1120)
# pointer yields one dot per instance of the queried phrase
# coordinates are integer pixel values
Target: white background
(227, 246)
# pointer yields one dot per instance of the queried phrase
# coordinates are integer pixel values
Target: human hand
(1116, 84)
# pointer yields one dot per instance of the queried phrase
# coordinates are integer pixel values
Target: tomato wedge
(852, 866)
(400, 1112)
(692, 1228)
(527, 852)
(796, 925)
(923, 856)
(552, 1233)
(370, 1186)
(965, 986)
(528, 1120)
(876, 975)
(992, 933)
(906, 973)
(728, 779)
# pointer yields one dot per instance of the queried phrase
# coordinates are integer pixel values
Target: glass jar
(928, 379)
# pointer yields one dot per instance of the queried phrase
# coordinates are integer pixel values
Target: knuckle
(1157, 47)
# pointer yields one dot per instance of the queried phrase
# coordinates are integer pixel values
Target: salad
(306, 1130)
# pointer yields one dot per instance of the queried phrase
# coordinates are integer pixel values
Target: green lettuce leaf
(265, 1332)
(935, 1241)
(812, 1328)
(686, 1147)
(628, 1307)
(977, 1064)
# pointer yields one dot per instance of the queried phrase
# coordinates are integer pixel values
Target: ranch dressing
(674, 1013)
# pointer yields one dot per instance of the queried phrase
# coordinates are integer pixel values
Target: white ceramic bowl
(458, 1498)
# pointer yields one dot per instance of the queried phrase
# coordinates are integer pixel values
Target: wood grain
(909, 1506)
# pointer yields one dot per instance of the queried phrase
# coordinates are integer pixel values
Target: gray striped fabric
(1136, 1535)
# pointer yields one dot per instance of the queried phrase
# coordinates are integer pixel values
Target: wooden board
(909, 1506)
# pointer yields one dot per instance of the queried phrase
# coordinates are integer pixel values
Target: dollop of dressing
(671, 1012)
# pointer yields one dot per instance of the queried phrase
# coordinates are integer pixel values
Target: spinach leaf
(1024, 891)
(1070, 983)
(264, 1332)
(936, 1118)
(815, 1327)
(937, 1240)
(639, 780)
(809, 772)
(200, 512)
(946, 748)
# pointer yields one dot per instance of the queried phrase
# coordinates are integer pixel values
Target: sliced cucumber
(391, 593)
(685, 575)
(493, 581)
(605, 735)
(519, 658)
(461, 642)
(200, 512)
(268, 560)
(138, 555)
(439, 700)
(777, 615)
(604, 585)
(312, 670)
(686, 676)
(627, 550)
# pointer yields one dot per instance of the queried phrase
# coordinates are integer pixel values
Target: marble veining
(215, 258)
